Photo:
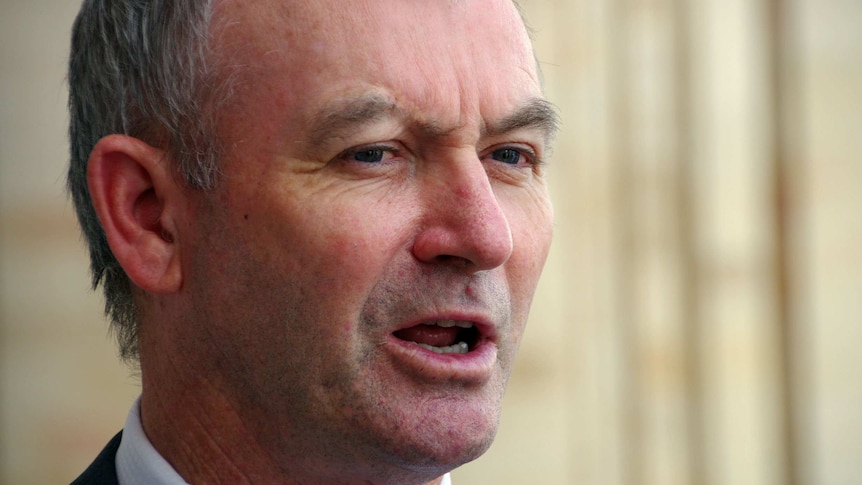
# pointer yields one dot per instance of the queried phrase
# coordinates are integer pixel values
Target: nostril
(450, 259)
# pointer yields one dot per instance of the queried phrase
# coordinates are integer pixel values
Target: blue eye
(508, 156)
(373, 155)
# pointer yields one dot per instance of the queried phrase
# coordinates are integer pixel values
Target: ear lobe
(137, 199)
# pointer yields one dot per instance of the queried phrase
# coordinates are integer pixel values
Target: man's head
(347, 295)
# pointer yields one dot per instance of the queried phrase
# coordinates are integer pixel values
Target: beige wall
(701, 313)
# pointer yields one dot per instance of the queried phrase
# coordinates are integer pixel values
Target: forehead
(451, 61)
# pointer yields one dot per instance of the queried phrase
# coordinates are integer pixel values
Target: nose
(463, 222)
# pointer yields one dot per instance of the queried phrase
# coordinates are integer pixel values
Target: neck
(199, 431)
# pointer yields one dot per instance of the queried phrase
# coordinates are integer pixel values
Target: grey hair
(140, 68)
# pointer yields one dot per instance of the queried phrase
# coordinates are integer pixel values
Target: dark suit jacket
(102, 471)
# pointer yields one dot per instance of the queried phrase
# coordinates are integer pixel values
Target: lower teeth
(459, 348)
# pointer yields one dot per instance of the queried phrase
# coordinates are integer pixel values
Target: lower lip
(475, 367)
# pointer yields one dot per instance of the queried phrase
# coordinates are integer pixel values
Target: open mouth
(442, 336)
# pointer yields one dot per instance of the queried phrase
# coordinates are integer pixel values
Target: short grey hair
(140, 68)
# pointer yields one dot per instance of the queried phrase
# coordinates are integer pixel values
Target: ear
(138, 201)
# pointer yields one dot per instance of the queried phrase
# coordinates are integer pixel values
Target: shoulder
(102, 471)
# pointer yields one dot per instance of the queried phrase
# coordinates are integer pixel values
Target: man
(319, 227)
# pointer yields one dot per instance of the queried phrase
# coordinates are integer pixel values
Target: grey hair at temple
(140, 68)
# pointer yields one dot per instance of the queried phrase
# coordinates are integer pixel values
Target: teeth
(451, 323)
(459, 348)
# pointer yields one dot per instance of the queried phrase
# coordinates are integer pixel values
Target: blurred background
(700, 317)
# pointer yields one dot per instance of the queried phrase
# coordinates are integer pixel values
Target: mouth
(450, 349)
(442, 336)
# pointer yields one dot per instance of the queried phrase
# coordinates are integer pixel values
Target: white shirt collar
(138, 463)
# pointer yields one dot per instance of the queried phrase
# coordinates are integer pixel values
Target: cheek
(532, 231)
(341, 250)
(531, 220)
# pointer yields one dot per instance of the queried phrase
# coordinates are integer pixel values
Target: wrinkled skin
(326, 234)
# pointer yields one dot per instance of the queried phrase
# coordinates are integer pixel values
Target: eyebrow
(339, 119)
(537, 113)
(343, 117)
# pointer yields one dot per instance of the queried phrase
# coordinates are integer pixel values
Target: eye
(507, 155)
(371, 155)
(514, 156)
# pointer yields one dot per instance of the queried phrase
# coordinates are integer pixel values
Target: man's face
(362, 275)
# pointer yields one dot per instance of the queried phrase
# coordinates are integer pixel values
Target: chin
(424, 463)
(436, 447)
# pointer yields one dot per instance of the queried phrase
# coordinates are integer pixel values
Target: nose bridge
(464, 220)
